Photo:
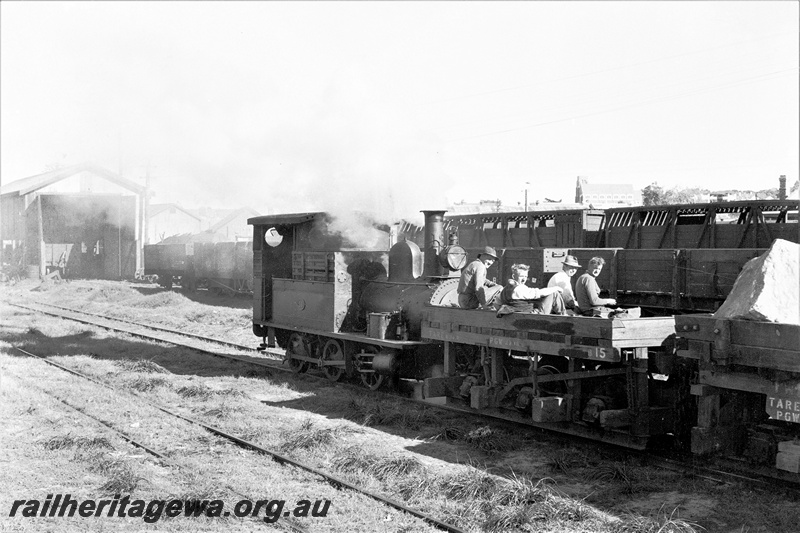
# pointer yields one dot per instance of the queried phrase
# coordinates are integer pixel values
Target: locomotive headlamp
(272, 237)
(453, 257)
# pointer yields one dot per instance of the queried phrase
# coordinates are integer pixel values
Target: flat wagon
(608, 379)
(747, 388)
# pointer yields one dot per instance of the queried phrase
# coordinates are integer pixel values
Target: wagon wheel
(552, 388)
(333, 351)
(296, 346)
(240, 285)
(188, 283)
(370, 379)
(231, 290)
(467, 358)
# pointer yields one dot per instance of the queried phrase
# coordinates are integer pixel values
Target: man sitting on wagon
(587, 291)
(517, 297)
(473, 283)
(563, 279)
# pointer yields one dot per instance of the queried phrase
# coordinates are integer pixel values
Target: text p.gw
(153, 510)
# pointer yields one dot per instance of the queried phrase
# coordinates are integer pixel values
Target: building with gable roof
(234, 226)
(611, 194)
(166, 220)
(83, 220)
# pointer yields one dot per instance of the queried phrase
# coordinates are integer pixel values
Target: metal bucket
(378, 326)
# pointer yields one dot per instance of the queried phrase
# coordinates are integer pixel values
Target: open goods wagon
(741, 224)
(219, 266)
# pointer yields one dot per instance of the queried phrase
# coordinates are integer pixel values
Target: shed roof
(34, 183)
(156, 209)
(233, 216)
(289, 219)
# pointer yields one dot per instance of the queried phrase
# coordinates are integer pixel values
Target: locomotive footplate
(336, 354)
(353, 337)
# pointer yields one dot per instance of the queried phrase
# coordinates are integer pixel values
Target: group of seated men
(558, 298)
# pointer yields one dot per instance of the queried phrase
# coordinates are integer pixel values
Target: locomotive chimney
(782, 188)
(434, 242)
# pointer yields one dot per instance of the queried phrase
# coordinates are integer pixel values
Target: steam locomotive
(391, 316)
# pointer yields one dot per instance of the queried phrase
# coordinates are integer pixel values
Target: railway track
(163, 329)
(277, 457)
(161, 456)
(719, 470)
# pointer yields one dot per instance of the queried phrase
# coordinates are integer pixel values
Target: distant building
(166, 220)
(606, 193)
(234, 226)
(83, 220)
(472, 208)
(722, 196)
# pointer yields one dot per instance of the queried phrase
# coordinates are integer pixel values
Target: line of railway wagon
(675, 375)
(682, 258)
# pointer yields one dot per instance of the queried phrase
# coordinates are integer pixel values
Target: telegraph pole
(146, 202)
(526, 195)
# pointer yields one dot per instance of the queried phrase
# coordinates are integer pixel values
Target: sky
(395, 107)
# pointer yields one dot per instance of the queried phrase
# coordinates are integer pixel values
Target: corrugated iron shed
(83, 211)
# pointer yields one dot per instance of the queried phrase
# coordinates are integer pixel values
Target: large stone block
(787, 461)
(789, 446)
(768, 287)
(549, 409)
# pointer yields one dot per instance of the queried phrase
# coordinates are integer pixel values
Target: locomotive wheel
(333, 351)
(296, 346)
(371, 380)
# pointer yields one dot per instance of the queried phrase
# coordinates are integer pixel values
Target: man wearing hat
(562, 279)
(473, 282)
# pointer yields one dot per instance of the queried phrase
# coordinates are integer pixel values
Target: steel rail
(698, 471)
(162, 457)
(151, 337)
(119, 433)
(279, 458)
(157, 328)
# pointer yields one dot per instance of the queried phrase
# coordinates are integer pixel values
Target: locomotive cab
(347, 310)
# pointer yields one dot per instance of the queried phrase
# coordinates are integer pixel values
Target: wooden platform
(762, 358)
(726, 341)
(580, 337)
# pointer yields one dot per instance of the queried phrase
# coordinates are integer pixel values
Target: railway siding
(712, 505)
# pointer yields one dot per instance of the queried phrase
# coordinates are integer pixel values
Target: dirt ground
(347, 426)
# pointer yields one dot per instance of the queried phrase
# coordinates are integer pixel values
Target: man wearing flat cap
(473, 282)
(562, 279)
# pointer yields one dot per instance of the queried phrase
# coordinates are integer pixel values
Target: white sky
(287, 106)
